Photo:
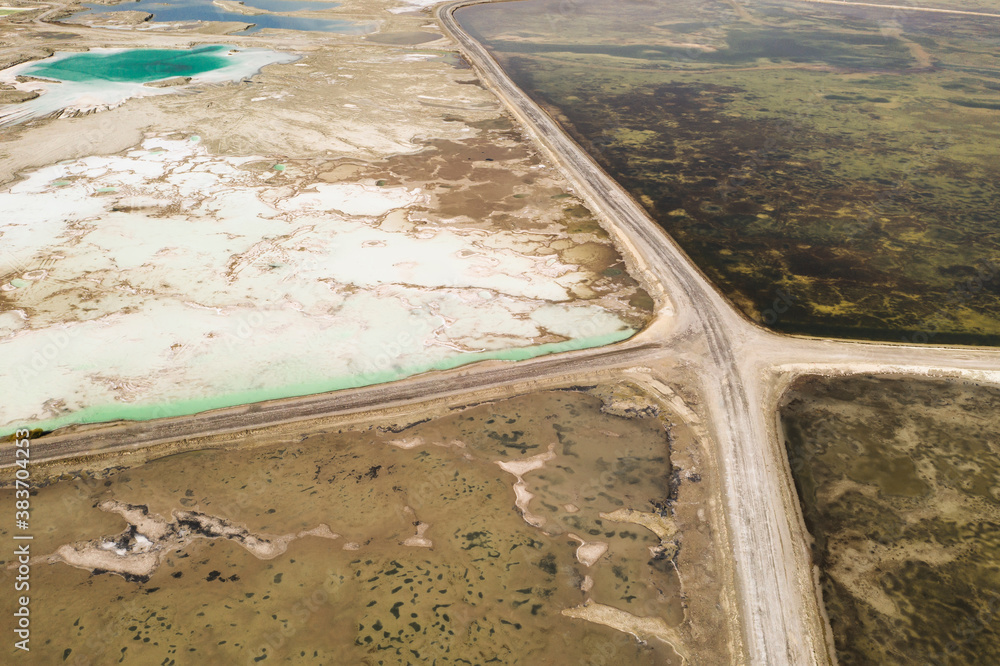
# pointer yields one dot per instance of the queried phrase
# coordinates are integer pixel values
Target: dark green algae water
(842, 160)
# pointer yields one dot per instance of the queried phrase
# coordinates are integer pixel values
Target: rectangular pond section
(842, 159)
(899, 480)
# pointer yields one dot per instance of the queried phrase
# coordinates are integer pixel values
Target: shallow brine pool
(71, 82)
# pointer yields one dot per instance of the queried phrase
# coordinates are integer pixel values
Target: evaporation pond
(134, 65)
(206, 10)
(104, 78)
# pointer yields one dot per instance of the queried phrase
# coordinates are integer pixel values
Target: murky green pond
(382, 546)
(840, 162)
(900, 487)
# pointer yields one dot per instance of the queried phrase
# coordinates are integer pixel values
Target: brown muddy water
(899, 481)
(375, 546)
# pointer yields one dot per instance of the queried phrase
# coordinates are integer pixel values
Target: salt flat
(319, 212)
(172, 280)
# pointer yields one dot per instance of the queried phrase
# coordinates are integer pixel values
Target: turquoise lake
(133, 66)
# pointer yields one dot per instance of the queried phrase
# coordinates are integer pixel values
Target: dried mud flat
(538, 529)
(362, 214)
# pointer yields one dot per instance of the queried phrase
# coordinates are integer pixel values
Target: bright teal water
(204, 10)
(131, 412)
(134, 65)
